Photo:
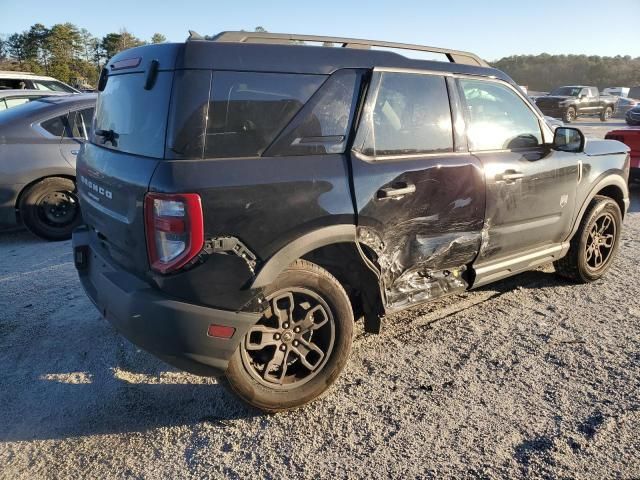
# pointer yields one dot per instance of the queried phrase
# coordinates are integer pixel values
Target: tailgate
(111, 189)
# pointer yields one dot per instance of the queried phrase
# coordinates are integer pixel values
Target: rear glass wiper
(108, 136)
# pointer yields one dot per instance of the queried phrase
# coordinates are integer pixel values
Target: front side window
(248, 109)
(498, 118)
(411, 115)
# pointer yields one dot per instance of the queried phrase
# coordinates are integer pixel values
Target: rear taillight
(174, 229)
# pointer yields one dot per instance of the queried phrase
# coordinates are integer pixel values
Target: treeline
(75, 56)
(544, 72)
(64, 51)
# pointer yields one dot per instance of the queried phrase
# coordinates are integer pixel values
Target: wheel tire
(576, 264)
(51, 193)
(569, 115)
(606, 114)
(242, 375)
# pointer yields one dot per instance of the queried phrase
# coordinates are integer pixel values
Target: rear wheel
(49, 208)
(606, 114)
(570, 115)
(300, 345)
(595, 244)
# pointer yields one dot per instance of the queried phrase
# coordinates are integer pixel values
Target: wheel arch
(613, 186)
(335, 249)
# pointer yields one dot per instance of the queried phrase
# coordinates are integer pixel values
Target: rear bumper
(173, 330)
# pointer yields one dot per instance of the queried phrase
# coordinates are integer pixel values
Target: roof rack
(454, 56)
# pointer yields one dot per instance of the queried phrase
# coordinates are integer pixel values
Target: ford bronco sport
(247, 198)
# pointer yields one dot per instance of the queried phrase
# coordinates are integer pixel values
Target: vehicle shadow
(111, 400)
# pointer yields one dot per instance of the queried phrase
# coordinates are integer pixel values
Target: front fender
(606, 180)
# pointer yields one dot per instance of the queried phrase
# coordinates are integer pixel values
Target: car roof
(277, 57)
(43, 108)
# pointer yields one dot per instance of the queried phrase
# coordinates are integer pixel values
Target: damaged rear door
(419, 194)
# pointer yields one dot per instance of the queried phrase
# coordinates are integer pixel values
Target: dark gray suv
(39, 142)
(247, 199)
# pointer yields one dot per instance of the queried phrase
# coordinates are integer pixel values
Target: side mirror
(567, 139)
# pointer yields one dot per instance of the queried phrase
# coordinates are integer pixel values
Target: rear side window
(322, 125)
(247, 110)
(410, 115)
(188, 114)
(131, 119)
(55, 126)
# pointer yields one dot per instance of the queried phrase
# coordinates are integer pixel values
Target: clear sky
(489, 28)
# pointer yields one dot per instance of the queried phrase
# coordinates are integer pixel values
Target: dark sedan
(39, 142)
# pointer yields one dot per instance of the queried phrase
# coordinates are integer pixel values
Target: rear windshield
(131, 119)
(233, 114)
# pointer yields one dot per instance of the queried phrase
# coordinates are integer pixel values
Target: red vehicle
(632, 139)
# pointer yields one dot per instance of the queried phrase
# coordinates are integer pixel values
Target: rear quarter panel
(265, 202)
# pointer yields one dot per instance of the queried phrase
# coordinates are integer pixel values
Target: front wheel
(606, 114)
(300, 345)
(570, 115)
(595, 244)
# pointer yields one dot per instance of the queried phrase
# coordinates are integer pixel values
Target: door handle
(396, 190)
(74, 152)
(509, 176)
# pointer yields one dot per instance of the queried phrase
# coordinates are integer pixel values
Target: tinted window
(137, 117)
(411, 115)
(55, 126)
(11, 83)
(498, 118)
(188, 114)
(634, 92)
(247, 110)
(321, 126)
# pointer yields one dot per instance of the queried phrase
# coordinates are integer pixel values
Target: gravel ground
(531, 376)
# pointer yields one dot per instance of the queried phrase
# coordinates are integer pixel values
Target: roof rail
(454, 56)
